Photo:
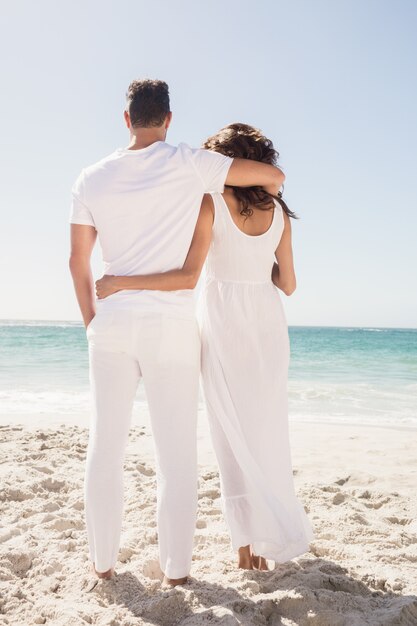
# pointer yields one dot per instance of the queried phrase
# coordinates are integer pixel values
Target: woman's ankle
(245, 558)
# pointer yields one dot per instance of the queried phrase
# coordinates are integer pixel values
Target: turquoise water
(354, 374)
(366, 375)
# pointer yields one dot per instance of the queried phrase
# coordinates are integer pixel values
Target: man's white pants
(125, 346)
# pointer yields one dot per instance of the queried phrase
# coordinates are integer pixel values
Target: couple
(159, 211)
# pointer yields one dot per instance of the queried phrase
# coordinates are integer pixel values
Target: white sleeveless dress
(245, 358)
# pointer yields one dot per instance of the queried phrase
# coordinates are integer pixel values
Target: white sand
(357, 483)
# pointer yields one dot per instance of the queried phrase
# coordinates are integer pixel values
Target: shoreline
(38, 419)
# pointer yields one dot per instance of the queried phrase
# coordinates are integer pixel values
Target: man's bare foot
(259, 562)
(106, 575)
(175, 581)
(245, 558)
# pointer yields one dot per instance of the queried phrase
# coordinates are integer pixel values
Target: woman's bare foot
(245, 558)
(175, 581)
(259, 562)
(106, 575)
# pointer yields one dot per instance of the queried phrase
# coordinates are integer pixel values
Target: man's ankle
(173, 582)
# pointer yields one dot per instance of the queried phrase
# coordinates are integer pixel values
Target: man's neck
(144, 138)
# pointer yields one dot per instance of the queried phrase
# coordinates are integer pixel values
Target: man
(143, 203)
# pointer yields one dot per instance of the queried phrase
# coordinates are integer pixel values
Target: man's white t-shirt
(144, 205)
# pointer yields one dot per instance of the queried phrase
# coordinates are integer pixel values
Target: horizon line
(80, 322)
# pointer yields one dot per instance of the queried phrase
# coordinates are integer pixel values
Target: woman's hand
(105, 286)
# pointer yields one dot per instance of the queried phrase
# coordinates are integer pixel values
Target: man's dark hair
(147, 102)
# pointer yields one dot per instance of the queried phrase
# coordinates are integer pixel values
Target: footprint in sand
(15, 495)
(35, 457)
(329, 489)
(61, 524)
(377, 504)
(408, 540)
(342, 481)
(403, 521)
(43, 469)
(357, 517)
(54, 485)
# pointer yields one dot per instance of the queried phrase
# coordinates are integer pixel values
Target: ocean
(337, 374)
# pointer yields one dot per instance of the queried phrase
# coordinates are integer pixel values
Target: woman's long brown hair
(246, 142)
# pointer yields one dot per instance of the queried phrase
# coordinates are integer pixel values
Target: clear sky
(333, 83)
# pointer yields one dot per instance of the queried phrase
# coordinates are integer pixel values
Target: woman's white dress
(245, 359)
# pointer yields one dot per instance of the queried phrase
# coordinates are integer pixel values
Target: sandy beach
(357, 484)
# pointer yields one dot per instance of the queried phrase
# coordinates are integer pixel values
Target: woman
(245, 352)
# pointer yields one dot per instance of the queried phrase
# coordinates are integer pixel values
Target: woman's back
(243, 257)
